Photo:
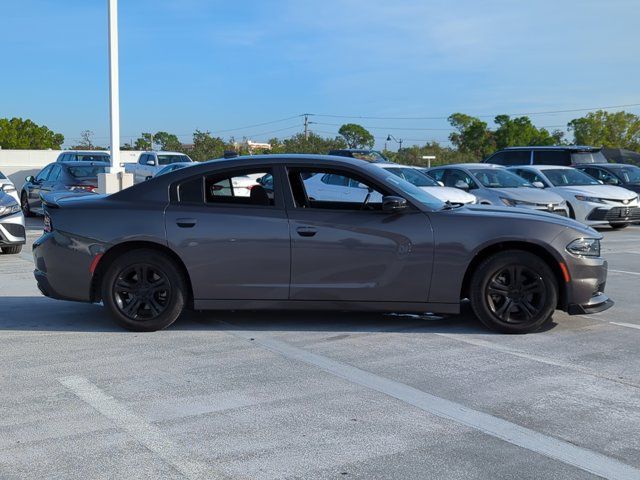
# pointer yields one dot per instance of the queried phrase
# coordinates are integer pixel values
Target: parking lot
(318, 395)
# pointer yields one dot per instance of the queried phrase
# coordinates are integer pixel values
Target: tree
(356, 136)
(444, 155)
(473, 135)
(25, 134)
(144, 142)
(206, 147)
(607, 129)
(86, 140)
(167, 141)
(314, 144)
(520, 131)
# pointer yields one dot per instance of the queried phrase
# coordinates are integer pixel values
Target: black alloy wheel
(515, 294)
(142, 292)
(24, 204)
(514, 291)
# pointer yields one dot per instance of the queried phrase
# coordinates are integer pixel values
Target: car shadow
(33, 314)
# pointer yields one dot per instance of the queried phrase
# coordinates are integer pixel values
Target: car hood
(453, 195)
(601, 191)
(528, 214)
(528, 194)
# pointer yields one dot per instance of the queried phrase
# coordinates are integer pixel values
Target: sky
(221, 65)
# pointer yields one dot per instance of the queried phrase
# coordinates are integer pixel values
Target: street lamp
(399, 142)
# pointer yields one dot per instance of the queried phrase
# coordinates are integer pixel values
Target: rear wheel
(514, 292)
(13, 249)
(144, 290)
(24, 203)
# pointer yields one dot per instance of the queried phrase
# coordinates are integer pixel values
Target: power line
(549, 112)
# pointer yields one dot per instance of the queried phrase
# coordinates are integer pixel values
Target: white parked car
(338, 188)
(590, 201)
(151, 163)
(7, 186)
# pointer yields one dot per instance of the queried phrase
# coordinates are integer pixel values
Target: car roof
(576, 148)
(605, 165)
(471, 166)
(162, 152)
(87, 152)
(82, 164)
(545, 167)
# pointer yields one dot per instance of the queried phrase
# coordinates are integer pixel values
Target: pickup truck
(151, 163)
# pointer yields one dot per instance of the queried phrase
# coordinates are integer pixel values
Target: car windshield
(413, 176)
(416, 192)
(565, 177)
(87, 171)
(92, 157)
(628, 174)
(588, 157)
(499, 178)
(171, 168)
(169, 159)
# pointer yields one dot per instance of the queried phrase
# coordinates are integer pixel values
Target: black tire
(619, 226)
(144, 290)
(12, 250)
(514, 292)
(24, 203)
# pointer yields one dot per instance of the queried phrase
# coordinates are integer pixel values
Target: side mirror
(30, 179)
(441, 183)
(600, 182)
(393, 204)
(151, 163)
(461, 185)
(538, 184)
(363, 186)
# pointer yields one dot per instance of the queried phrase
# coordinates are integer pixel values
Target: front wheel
(144, 290)
(24, 203)
(514, 292)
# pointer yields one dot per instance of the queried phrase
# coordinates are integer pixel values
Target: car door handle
(306, 231)
(186, 222)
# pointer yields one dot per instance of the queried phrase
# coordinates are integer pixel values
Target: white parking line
(145, 433)
(566, 452)
(629, 325)
(625, 272)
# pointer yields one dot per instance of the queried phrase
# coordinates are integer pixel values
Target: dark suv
(562, 155)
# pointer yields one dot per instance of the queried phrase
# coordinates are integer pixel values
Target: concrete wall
(18, 164)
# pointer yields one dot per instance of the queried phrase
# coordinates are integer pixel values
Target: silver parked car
(185, 240)
(494, 185)
(12, 232)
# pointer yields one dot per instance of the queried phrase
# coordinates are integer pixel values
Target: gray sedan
(186, 240)
(494, 185)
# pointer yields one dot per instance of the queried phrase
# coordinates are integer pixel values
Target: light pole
(114, 87)
(399, 142)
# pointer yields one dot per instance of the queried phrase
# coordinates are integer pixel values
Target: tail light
(47, 225)
(82, 188)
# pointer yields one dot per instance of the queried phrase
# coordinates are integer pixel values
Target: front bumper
(585, 292)
(615, 214)
(12, 232)
(598, 303)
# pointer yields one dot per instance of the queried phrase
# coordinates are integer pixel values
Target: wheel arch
(113, 252)
(534, 248)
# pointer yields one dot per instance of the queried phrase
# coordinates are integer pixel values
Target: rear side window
(238, 187)
(551, 157)
(169, 159)
(511, 157)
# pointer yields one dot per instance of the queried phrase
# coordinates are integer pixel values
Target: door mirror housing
(440, 183)
(30, 179)
(461, 185)
(393, 204)
(538, 184)
(151, 163)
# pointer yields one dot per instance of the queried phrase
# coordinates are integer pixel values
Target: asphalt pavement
(318, 395)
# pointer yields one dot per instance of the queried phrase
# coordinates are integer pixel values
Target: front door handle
(186, 222)
(306, 231)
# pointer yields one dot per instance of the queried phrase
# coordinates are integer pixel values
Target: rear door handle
(186, 222)
(306, 231)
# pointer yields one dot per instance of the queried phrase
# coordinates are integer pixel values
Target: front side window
(530, 176)
(55, 173)
(455, 178)
(602, 175)
(628, 174)
(564, 177)
(499, 178)
(44, 174)
(143, 159)
(437, 175)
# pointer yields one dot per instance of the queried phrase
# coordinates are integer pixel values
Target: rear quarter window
(511, 157)
(551, 157)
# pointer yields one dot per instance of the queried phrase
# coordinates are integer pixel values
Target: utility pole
(306, 126)
(114, 91)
